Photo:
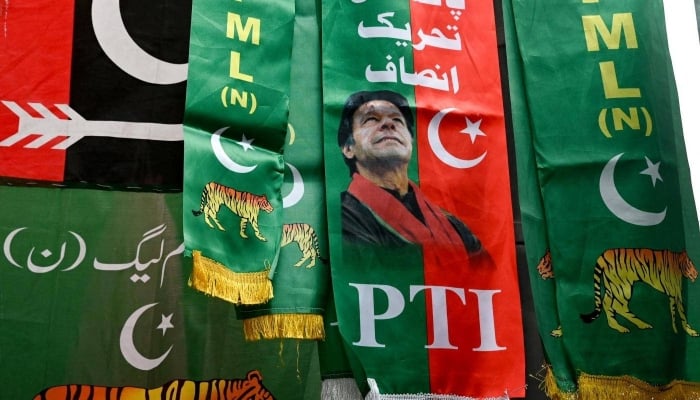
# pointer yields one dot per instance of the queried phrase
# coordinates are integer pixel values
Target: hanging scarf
(410, 310)
(236, 117)
(608, 215)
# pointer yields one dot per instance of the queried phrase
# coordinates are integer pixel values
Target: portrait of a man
(381, 205)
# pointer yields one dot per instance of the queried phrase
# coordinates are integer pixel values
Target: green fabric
(531, 210)
(567, 129)
(227, 246)
(99, 257)
(301, 284)
(236, 91)
(344, 60)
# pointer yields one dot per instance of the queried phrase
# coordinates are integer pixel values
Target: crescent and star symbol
(37, 269)
(618, 205)
(126, 340)
(289, 200)
(224, 159)
(119, 46)
(472, 129)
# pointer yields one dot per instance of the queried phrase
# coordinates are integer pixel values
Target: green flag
(94, 297)
(606, 201)
(235, 123)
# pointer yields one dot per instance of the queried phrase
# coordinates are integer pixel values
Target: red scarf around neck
(437, 229)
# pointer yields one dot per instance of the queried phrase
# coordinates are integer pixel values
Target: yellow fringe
(549, 385)
(597, 387)
(214, 279)
(284, 326)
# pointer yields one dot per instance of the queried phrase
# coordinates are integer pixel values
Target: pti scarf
(406, 315)
(236, 118)
(609, 223)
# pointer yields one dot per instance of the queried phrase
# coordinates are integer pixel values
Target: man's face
(380, 135)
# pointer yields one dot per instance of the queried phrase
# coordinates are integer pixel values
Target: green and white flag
(94, 300)
(236, 118)
(609, 220)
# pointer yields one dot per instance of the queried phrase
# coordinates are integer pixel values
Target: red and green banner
(419, 214)
(94, 300)
(93, 93)
(609, 220)
(236, 121)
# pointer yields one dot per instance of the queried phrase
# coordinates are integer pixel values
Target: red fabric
(480, 195)
(437, 230)
(36, 39)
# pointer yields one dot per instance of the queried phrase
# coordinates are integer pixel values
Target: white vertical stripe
(684, 44)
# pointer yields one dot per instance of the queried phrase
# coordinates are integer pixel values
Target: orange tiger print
(619, 269)
(250, 388)
(304, 236)
(244, 204)
(544, 268)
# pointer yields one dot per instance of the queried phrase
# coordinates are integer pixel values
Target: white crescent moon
(297, 188)
(440, 151)
(117, 43)
(223, 158)
(618, 206)
(126, 343)
(6, 246)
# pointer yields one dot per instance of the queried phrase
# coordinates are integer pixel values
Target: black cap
(359, 98)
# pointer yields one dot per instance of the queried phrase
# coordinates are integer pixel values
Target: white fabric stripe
(340, 389)
(684, 45)
(375, 395)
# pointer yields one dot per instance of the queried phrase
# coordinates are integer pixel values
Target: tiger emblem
(544, 267)
(619, 269)
(250, 388)
(545, 270)
(244, 204)
(305, 237)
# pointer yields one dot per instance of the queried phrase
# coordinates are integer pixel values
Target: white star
(165, 323)
(653, 171)
(246, 143)
(473, 129)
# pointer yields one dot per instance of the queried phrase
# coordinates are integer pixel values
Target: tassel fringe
(597, 387)
(375, 395)
(214, 279)
(340, 389)
(284, 326)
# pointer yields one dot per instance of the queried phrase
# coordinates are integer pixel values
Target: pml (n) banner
(419, 214)
(94, 300)
(302, 277)
(93, 93)
(606, 200)
(236, 120)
